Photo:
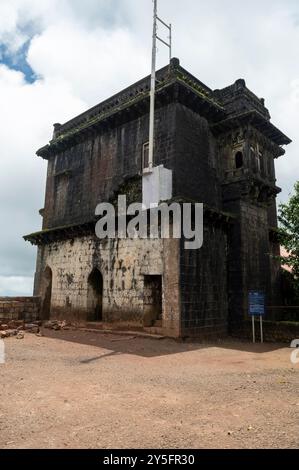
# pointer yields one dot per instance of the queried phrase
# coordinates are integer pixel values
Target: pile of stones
(57, 325)
(17, 328)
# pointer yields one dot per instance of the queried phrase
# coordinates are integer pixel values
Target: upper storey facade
(216, 143)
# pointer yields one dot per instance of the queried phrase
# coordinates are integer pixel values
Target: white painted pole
(253, 328)
(153, 90)
(170, 42)
(261, 325)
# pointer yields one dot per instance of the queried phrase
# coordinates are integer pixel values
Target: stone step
(94, 325)
(137, 334)
(158, 324)
(154, 330)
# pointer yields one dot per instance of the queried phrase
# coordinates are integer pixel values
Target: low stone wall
(274, 332)
(19, 308)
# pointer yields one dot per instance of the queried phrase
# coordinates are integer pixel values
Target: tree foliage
(289, 232)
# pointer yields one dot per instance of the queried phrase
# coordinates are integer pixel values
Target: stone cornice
(69, 232)
(256, 120)
(174, 83)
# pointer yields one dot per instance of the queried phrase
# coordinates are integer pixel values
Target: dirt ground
(85, 390)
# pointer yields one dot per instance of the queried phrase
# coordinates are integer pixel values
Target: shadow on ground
(146, 347)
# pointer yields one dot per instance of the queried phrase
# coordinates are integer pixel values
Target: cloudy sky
(59, 57)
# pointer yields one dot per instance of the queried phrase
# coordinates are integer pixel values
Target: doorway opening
(47, 294)
(95, 296)
(153, 300)
(239, 160)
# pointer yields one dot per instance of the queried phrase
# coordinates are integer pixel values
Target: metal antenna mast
(153, 77)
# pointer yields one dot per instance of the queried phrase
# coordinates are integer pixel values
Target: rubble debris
(18, 327)
(8, 333)
(14, 327)
(3, 327)
(11, 325)
(4, 334)
(31, 328)
(57, 325)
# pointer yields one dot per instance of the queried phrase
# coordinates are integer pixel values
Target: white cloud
(94, 63)
(15, 286)
(26, 116)
(85, 51)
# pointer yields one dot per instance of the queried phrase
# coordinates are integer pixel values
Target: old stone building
(221, 147)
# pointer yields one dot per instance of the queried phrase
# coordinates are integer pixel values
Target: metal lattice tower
(153, 76)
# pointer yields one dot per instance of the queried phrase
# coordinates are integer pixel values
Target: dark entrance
(239, 160)
(95, 296)
(152, 300)
(46, 294)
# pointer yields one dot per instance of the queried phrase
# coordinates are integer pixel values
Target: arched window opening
(95, 296)
(261, 163)
(239, 160)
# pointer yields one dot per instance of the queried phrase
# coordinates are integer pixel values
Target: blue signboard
(257, 303)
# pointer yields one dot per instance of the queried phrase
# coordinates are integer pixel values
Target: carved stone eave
(69, 232)
(256, 120)
(281, 152)
(251, 188)
(260, 192)
(174, 84)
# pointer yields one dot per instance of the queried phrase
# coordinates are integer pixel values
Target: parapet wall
(19, 308)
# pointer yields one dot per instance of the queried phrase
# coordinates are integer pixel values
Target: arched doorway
(95, 296)
(239, 160)
(46, 293)
(153, 300)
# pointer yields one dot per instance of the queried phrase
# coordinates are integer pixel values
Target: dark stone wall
(249, 194)
(203, 273)
(272, 215)
(235, 267)
(196, 162)
(255, 249)
(251, 265)
(92, 171)
(203, 285)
